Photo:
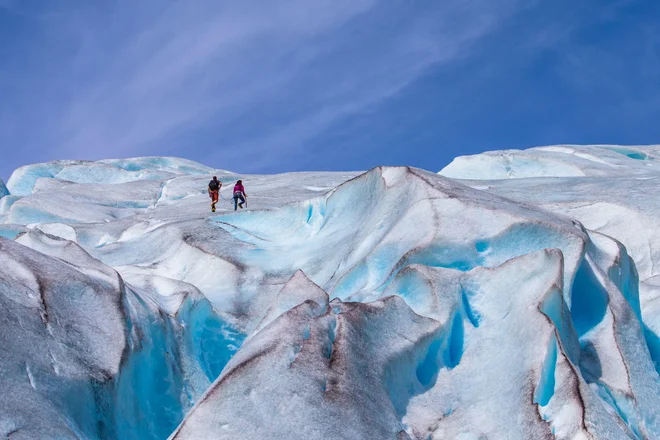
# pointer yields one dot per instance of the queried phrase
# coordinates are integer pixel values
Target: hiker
(239, 193)
(214, 190)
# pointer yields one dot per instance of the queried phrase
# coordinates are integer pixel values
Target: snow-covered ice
(518, 302)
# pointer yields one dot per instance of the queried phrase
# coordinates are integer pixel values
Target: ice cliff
(513, 296)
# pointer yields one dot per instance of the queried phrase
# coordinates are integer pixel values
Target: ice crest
(22, 182)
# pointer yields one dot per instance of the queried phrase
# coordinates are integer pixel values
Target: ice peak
(297, 290)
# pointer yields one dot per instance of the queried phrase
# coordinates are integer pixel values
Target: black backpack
(214, 185)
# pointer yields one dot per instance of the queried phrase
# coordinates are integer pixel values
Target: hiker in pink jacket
(239, 193)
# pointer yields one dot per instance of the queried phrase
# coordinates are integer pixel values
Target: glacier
(513, 295)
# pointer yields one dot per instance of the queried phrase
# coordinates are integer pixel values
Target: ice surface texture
(392, 304)
(616, 197)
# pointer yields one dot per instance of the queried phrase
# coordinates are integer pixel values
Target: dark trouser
(236, 197)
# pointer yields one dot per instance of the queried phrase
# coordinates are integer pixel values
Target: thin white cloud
(428, 41)
(194, 60)
(127, 76)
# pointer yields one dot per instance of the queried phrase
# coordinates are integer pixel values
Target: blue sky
(288, 85)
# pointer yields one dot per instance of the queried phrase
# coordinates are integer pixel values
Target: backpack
(214, 185)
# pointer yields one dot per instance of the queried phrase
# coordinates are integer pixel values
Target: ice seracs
(615, 196)
(89, 356)
(512, 290)
(395, 303)
(63, 334)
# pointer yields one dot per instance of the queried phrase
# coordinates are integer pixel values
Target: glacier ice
(510, 301)
(23, 181)
(615, 198)
(3, 189)
(89, 356)
(555, 161)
